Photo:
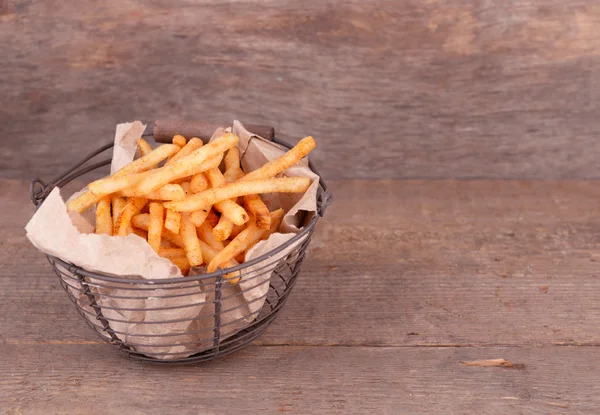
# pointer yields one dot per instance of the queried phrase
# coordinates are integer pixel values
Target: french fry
(141, 233)
(192, 145)
(104, 224)
(232, 211)
(173, 221)
(223, 229)
(88, 198)
(259, 210)
(199, 183)
(113, 184)
(179, 140)
(227, 207)
(143, 147)
(205, 233)
(155, 227)
(182, 263)
(236, 230)
(240, 188)
(171, 252)
(142, 221)
(246, 239)
(276, 218)
(82, 202)
(117, 204)
(208, 253)
(233, 171)
(190, 240)
(274, 167)
(187, 166)
(212, 219)
(167, 192)
(148, 161)
(199, 216)
(133, 206)
(186, 187)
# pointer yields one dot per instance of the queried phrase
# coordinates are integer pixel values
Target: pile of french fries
(190, 209)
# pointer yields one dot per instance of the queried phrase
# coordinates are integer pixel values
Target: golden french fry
(155, 227)
(208, 253)
(141, 233)
(187, 166)
(239, 244)
(223, 229)
(143, 147)
(142, 221)
(190, 240)
(231, 210)
(179, 140)
(233, 171)
(113, 184)
(167, 192)
(199, 216)
(199, 183)
(182, 263)
(192, 145)
(236, 230)
(173, 221)
(240, 188)
(149, 161)
(212, 219)
(82, 202)
(245, 240)
(133, 206)
(117, 203)
(186, 187)
(274, 167)
(205, 233)
(88, 198)
(104, 222)
(227, 207)
(171, 252)
(276, 218)
(259, 210)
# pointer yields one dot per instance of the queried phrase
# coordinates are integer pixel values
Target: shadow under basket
(158, 320)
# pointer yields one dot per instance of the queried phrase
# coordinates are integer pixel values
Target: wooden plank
(87, 379)
(392, 263)
(435, 89)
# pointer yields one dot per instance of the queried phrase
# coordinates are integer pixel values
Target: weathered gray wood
(393, 263)
(91, 379)
(431, 89)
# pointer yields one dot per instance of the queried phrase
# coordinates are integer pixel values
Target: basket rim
(323, 200)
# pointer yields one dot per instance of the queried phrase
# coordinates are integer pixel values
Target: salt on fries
(188, 209)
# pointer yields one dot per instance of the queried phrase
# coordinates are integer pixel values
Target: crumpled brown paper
(175, 320)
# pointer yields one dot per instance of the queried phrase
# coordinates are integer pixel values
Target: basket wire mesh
(120, 308)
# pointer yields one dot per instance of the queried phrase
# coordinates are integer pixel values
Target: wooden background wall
(391, 89)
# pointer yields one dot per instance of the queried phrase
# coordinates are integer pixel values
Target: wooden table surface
(406, 280)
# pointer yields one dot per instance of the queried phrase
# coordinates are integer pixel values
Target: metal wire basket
(134, 313)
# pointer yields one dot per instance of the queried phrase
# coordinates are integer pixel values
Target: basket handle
(164, 130)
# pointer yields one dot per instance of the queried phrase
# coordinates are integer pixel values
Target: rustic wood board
(412, 89)
(404, 281)
(91, 379)
(392, 264)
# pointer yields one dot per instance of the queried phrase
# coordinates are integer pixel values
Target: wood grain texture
(392, 264)
(404, 281)
(413, 89)
(88, 379)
